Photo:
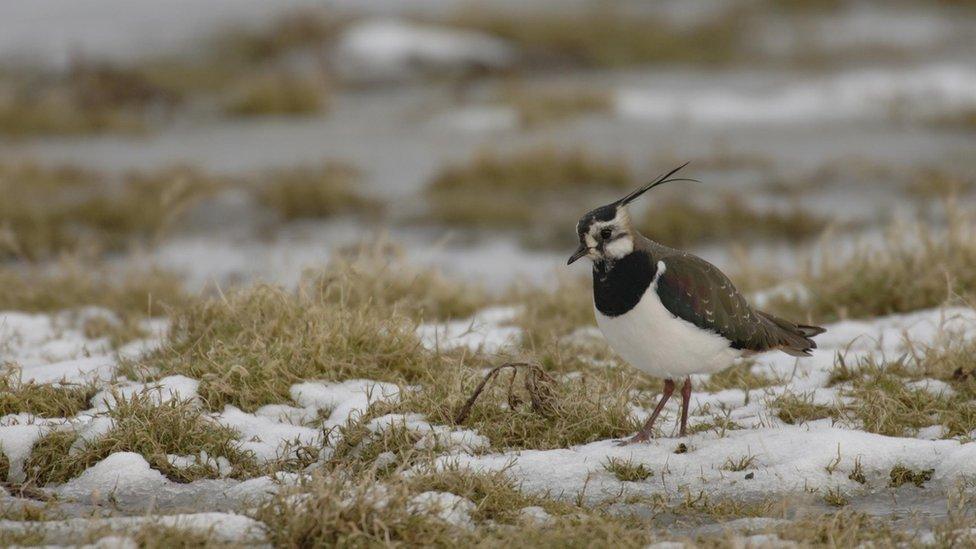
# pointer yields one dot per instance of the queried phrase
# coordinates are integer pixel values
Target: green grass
(150, 429)
(330, 189)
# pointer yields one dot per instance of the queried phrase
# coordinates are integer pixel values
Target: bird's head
(606, 234)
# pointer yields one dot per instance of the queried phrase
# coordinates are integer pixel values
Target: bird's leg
(685, 401)
(645, 433)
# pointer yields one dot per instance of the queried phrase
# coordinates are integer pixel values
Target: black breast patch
(618, 289)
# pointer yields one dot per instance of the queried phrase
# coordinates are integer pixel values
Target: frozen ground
(788, 460)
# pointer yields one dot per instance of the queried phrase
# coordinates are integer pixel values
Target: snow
(925, 90)
(15, 443)
(344, 399)
(164, 390)
(434, 436)
(219, 527)
(124, 475)
(788, 459)
(489, 330)
(449, 507)
(384, 50)
(267, 438)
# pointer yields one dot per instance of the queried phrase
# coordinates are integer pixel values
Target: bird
(669, 313)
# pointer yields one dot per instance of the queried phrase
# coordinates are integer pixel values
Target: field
(299, 280)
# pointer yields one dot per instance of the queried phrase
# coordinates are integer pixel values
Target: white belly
(660, 344)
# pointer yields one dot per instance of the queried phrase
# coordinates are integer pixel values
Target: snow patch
(388, 50)
(488, 331)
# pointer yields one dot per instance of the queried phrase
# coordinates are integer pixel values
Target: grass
(886, 404)
(795, 409)
(151, 429)
(900, 475)
(516, 191)
(915, 267)
(739, 464)
(739, 376)
(549, 314)
(627, 470)
(43, 400)
(330, 189)
(132, 294)
(86, 98)
(574, 411)
(276, 94)
(537, 107)
(602, 37)
(47, 211)
(377, 275)
(681, 222)
(247, 348)
(336, 510)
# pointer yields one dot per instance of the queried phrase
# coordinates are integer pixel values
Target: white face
(610, 240)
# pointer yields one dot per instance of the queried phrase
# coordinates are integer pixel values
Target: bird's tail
(793, 339)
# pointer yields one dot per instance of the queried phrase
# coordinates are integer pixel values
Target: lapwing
(669, 313)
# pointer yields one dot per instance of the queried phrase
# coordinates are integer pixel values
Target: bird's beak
(580, 252)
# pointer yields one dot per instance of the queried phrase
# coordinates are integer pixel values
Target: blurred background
(235, 140)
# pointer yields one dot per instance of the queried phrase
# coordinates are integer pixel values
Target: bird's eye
(606, 233)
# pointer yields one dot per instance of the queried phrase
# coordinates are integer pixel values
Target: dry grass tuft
(576, 411)
(46, 211)
(132, 294)
(314, 191)
(607, 37)
(900, 475)
(266, 94)
(794, 409)
(249, 347)
(627, 470)
(913, 268)
(44, 400)
(510, 191)
(339, 510)
(680, 222)
(149, 428)
(546, 106)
